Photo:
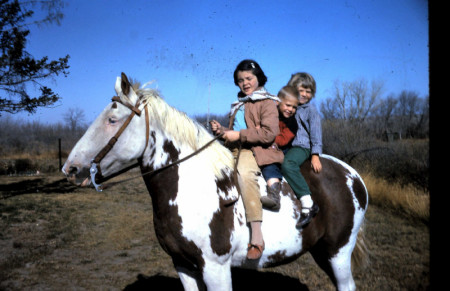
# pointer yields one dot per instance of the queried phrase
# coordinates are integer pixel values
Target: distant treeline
(35, 138)
(388, 137)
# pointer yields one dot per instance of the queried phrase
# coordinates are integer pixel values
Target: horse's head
(102, 145)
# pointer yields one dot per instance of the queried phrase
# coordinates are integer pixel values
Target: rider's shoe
(255, 251)
(272, 200)
(306, 215)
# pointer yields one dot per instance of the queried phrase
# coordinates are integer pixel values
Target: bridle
(95, 162)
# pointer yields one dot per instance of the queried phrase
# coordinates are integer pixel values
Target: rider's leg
(272, 174)
(249, 173)
(293, 159)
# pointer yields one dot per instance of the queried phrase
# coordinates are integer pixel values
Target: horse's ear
(125, 84)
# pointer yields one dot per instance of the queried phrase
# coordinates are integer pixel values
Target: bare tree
(353, 101)
(412, 113)
(346, 125)
(74, 118)
(383, 120)
(366, 97)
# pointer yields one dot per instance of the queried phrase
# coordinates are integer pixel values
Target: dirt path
(56, 237)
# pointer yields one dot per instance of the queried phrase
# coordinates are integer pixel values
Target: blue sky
(191, 48)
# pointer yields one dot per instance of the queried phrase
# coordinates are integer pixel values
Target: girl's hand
(231, 135)
(315, 163)
(216, 127)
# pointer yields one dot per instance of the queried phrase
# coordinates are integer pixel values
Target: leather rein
(95, 162)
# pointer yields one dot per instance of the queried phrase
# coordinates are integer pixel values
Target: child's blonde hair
(288, 91)
(305, 80)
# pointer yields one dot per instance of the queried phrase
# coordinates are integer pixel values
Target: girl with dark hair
(252, 128)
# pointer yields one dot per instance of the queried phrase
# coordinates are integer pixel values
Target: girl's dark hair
(250, 65)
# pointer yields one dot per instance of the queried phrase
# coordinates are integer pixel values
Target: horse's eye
(112, 120)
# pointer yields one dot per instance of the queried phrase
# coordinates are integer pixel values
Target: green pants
(290, 169)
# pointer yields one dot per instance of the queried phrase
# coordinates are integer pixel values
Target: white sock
(306, 203)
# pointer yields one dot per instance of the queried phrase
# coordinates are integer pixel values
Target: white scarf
(260, 94)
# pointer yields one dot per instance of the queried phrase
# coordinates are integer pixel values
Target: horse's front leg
(217, 276)
(191, 280)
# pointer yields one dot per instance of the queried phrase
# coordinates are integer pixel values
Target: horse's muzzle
(77, 175)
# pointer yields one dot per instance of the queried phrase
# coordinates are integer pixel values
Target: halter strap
(114, 139)
(95, 163)
(134, 108)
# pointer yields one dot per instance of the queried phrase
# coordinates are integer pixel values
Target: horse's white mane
(182, 129)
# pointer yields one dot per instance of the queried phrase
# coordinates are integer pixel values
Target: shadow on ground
(39, 185)
(243, 280)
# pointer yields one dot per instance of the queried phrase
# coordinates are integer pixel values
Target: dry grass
(407, 199)
(54, 236)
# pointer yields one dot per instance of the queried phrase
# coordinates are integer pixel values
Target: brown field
(54, 236)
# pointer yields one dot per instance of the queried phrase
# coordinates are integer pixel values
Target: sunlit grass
(407, 199)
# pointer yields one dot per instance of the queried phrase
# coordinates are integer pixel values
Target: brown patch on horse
(332, 226)
(360, 192)
(221, 227)
(286, 190)
(280, 258)
(152, 140)
(167, 222)
(226, 184)
(222, 223)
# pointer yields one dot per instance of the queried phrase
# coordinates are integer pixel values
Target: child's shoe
(272, 200)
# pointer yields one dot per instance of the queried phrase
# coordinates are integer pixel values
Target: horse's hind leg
(342, 269)
(337, 267)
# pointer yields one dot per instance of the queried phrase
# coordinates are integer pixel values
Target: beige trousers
(249, 172)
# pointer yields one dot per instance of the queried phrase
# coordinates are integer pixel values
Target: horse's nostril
(73, 170)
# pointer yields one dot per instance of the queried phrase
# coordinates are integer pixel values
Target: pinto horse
(199, 218)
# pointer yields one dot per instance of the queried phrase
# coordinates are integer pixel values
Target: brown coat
(262, 127)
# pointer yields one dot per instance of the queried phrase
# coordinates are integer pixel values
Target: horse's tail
(360, 254)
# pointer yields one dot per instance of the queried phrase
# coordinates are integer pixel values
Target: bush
(402, 161)
(6, 167)
(406, 162)
(24, 165)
